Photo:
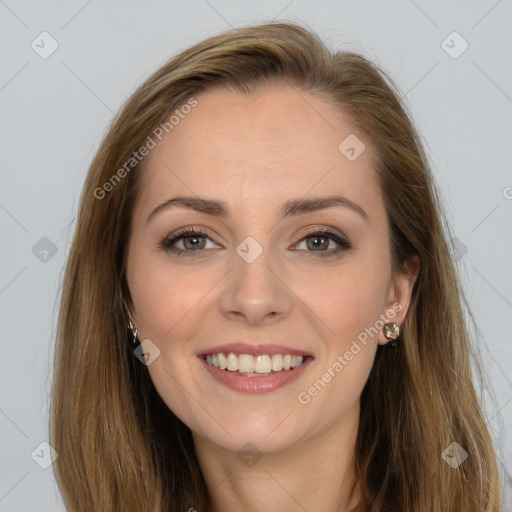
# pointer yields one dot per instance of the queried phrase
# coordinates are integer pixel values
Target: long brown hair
(121, 448)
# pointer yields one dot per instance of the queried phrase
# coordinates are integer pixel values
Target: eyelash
(168, 241)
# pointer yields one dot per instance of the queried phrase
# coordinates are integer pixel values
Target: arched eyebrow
(290, 208)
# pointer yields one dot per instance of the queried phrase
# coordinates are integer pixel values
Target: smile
(254, 366)
(256, 374)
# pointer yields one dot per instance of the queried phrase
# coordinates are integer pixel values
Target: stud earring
(391, 332)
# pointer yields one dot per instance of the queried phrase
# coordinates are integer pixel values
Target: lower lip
(266, 384)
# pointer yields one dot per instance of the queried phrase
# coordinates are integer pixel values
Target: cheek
(348, 304)
(165, 294)
(346, 300)
(170, 302)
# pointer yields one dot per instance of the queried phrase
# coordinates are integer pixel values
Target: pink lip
(254, 350)
(266, 384)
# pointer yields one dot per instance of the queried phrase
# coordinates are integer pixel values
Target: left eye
(321, 240)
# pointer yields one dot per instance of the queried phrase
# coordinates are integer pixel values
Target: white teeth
(277, 362)
(251, 365)
(232, 362)
(245, 363)
(262, 364)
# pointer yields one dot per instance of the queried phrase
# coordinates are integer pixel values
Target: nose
(256, 293)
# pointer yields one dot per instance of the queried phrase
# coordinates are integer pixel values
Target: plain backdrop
(67, 67)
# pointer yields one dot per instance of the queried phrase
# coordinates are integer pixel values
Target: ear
(399, 295)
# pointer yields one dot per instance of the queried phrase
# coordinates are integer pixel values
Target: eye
(320, 239)
(194, 241)
(191, 241)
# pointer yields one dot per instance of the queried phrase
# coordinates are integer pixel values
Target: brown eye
(193, 241)
(318, 242)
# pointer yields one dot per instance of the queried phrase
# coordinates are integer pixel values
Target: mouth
(254, 368)
(248, 365)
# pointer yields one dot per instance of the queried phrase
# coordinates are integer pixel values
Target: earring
(130, 324)
(391, 332)
(134, 332)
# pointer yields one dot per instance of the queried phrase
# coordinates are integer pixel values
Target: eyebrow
(289, 208)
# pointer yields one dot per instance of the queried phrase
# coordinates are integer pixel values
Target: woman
(259, 309)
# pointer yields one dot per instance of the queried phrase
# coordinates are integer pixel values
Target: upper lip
(254, 349)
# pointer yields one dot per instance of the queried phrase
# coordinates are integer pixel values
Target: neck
(315, 474)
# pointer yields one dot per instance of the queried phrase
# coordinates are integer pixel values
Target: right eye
(191, 239)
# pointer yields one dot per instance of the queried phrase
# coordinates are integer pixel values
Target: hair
(121, 448)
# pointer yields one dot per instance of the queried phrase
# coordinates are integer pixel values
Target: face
(261, 278)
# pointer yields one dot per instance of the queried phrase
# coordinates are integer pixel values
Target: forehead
(260, 148)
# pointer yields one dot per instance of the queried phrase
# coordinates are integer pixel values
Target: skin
(255, 151)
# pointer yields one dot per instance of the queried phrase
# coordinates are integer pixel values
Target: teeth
(245, 363)
(262, 364)
(232, 362)
(277, 362)
(248, 364)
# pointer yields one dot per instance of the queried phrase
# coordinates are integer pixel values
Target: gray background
(55, 110)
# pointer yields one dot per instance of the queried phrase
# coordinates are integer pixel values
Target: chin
(262, 433)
